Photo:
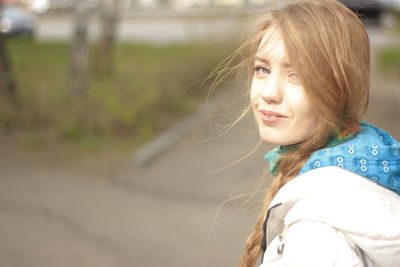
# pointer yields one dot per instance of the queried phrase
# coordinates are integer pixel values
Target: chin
(272, 138)
(277, 138)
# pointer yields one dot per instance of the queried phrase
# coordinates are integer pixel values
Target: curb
(171, 137)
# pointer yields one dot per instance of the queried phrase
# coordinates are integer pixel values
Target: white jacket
(333, 217)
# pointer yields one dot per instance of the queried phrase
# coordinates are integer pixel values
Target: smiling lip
(269, 117)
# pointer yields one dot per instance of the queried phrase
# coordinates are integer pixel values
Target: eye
(261, 70)
(293, 77)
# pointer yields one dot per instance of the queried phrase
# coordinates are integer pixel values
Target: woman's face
(281, 107)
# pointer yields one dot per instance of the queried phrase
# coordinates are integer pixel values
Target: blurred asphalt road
(62, 214)
(101, 211)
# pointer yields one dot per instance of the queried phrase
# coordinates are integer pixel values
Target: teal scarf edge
(273, 157)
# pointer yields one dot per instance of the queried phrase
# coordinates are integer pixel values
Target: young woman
(335, 199)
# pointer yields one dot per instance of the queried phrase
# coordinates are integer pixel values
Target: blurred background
(116, 148)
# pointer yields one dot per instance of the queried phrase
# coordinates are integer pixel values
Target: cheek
(308, 116)
(253, 92)
(302, 106)
(255, 88)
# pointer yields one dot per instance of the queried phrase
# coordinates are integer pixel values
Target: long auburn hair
(328, 46)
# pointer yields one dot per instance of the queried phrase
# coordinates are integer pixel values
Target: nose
(272, 92)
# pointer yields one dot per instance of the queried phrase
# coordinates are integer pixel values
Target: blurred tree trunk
(79, 48)
(104, 60)
(7, 82)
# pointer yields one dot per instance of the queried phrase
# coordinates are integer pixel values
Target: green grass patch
(151, 88)
(389, 61)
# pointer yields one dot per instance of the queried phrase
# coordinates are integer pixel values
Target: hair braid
(253, 243)
(288, 171)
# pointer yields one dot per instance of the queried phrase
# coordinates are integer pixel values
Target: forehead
(272, 45)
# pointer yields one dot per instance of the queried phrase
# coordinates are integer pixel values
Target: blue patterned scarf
(371, 153)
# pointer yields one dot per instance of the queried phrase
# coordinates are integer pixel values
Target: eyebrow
(264, 60)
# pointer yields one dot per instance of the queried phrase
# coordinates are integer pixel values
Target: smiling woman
(309, 84)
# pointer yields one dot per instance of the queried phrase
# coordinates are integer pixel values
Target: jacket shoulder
(366, 213)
